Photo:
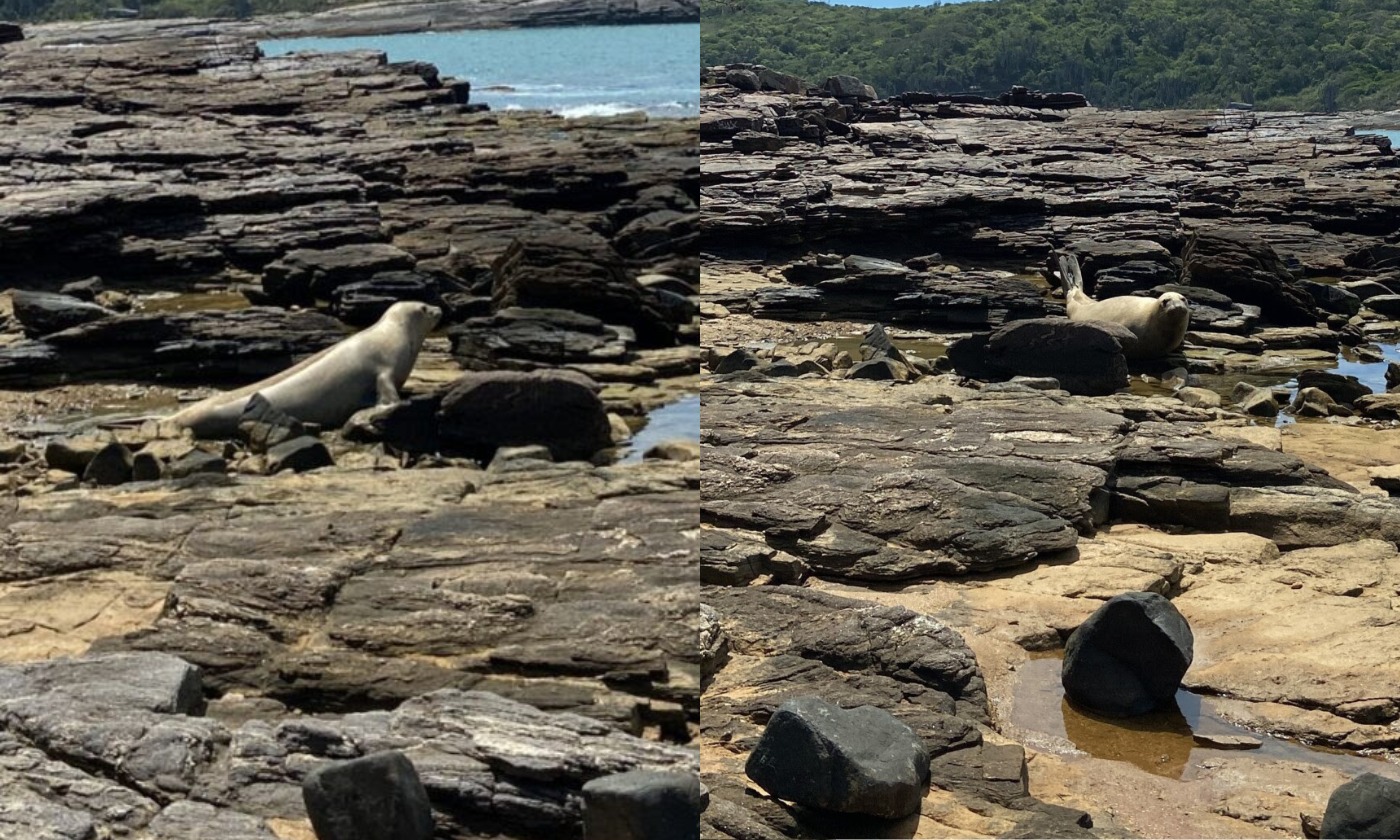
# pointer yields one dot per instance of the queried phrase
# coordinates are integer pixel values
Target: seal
(1158, 324)
(364, 370)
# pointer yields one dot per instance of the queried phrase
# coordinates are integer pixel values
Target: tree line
(1276, 54)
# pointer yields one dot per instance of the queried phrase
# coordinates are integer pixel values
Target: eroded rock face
(1128, 658)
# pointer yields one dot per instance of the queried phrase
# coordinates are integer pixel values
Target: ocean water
(574, 71)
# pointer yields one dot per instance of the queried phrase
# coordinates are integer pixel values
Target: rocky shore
(943, 486)
(193, 629)
(389, 18)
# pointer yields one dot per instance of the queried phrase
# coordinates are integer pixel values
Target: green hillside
(1304, 54)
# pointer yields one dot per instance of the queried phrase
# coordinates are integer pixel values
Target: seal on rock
(366, 369)
(1158, 324)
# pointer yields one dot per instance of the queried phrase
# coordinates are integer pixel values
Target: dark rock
(861, 760)
(735, 361)
(1128, 658)
(1392, 375)
(262, 427)
(299, 455)
(642, 805)
(1329, 297)
(1366, 806)
(743, 79)
(1343, 389)
(408, 426)
(234, 346)
(481, 412)
(1259, 402)
(306, 275)
(1085, 357)
(1379, 406)
(880, 369)
(145, 467)
(362, 302)
(111, 465)
(1387, 305)
(525, 339)
(197, 461)
(583, 273)
(10, 33)
(877, 345)
(86, 290)
(1248, 270)
(42, 313)
(846, 87)
(377, 797)
(72, 454)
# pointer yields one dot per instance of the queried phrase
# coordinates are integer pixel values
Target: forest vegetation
(1277, 54)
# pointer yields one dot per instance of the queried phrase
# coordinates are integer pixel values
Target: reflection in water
(1159, 742)
(679, 420)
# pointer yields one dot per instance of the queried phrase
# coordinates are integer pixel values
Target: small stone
(197, 461)
(674, 450)
(1227, 742)
(145, 467)
(510, 454)
(111, 465)
(642, 805)
(299, 455)
(377, 797)
(1199, 397)
(620, 430)
(736, 361)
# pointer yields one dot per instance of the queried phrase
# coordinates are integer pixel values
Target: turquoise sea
(574, 71)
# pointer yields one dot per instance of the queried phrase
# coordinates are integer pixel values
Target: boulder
(848, 87)
(1387, 305)
(1367, 806)
(1128, 658)
(642, 805)
(565, 269)
(1330, 297)
(1312, 402)
(481, 412)
(1343, 389)
(856, 761)
(1239, 264)
(1086, 357)
(377, 797)
(362, 302)
(10, 32)
(197, 461)
(42, 313)
(72, 454)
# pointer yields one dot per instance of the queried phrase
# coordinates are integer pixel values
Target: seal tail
(1071, 278)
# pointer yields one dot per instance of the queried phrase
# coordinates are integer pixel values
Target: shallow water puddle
(1162, 743)
(222, 301)
(679, 420)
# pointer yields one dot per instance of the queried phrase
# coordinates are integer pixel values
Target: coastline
(369, 19)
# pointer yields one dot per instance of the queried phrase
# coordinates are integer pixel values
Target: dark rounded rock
(1367, 806)
(1343, 389)
(71, 454)
(44, 313)
(299, 455)
(859, 761)
(377, 797)
(145, 467)
(111, 465)
(1387, 305)
(1086, 357)
(1128, 658)
(482, 412)
(86, 290)
(736, 361)
(642, 805)
(197, 461)
(1330, 297)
